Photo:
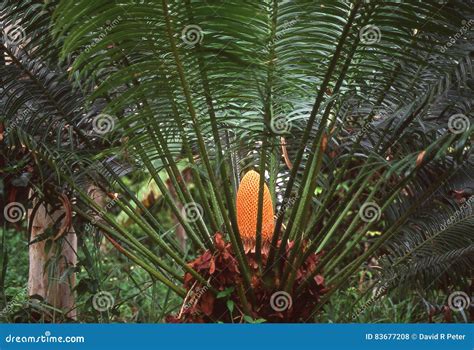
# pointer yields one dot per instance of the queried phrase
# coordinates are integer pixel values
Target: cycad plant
(292, 141)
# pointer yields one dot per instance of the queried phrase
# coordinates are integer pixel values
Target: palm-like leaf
(222, 87)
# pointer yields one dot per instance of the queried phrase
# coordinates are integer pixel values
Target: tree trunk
(51, 283)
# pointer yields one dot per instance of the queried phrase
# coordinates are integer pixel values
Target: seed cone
(220, 269)
(247, 209)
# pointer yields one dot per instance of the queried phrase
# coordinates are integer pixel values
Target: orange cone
(247, 210)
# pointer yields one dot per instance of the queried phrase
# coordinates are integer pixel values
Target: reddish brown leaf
(319, 280)
(207, 303)
(208, 308)
(188, 278)
(220, 243)
(212, 267)
(448, 316)
(324, 143)
(284, 152)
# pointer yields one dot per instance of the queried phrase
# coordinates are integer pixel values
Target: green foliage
(14, 262)
(220, 88)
